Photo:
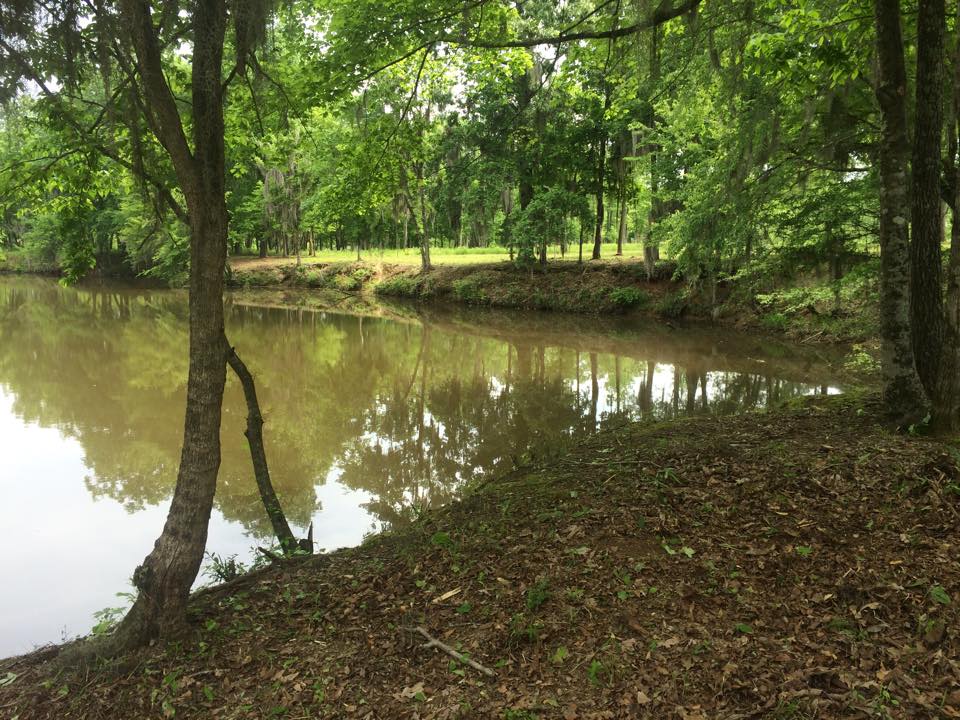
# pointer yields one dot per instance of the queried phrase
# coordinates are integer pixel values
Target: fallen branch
(433, 642)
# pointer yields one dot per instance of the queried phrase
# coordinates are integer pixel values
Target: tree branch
(660, 16)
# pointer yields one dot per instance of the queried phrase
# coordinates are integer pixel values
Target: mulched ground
(801, 564)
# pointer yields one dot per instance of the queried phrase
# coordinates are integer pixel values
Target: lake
(371, 417)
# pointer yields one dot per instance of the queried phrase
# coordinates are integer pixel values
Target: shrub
(346, 283)
(629, 297)
(468, 290)
(398, 285)
(775, 321)
(362, 274)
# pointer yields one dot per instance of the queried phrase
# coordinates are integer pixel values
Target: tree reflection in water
(406, 409)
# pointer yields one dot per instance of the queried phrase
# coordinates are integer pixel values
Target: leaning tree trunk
(261, 471)
(926, 298)
(904, 396)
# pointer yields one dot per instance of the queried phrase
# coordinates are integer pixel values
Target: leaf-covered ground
(801, 564)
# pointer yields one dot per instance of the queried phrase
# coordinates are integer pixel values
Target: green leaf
(939, 595)
(744, 629)
(804, 550)
(559, 655)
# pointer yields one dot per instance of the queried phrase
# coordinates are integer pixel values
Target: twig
(433, 642)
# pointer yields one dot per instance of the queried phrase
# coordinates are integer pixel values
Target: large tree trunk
(903, 393)
(164, 579)
(926, 299)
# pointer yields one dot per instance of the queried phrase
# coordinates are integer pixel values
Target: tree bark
(904, 396)
(926, 298)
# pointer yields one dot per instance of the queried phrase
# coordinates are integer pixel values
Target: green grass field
(451, 256)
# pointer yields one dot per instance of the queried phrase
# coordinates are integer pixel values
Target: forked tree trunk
(904, 396)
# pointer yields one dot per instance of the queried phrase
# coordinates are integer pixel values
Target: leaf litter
(796, 564)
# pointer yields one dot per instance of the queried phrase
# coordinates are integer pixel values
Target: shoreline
(603, 288)
(642, 571)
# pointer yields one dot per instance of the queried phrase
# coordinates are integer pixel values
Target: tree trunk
(903, 393)
(601, 176)
(167, 574)
(926, 298)
(946, 415)
(651, 252)
(424, 236)
(261, 471)
(622, 232)
(164, 579)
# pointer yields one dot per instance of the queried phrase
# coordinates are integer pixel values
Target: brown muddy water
(370, 418)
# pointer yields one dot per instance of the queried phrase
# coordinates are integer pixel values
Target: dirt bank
(605, 288)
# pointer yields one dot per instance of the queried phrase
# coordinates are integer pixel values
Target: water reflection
(376, 414)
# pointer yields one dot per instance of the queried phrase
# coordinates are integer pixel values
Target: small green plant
(860, 362)
(594, 672)
(776, 321)
(521, 630)
(559, 655)
(629, 297)
(362, 274)
(442, 539)
(108, 618)
(223, 568)
(519, 715)
(538, 594)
